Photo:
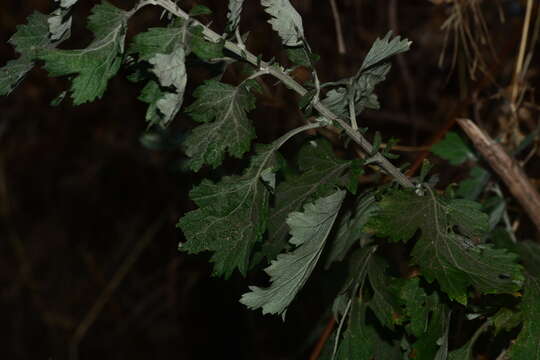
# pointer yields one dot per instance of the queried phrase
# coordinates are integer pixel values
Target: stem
(290, 83)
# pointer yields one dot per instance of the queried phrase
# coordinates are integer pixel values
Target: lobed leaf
(383, 49)
(29, 39)
(451, 258)
(233, 14)
(453, 149)
(13, 73)
(360, 339)
(350, 228)
(527, 344)
(223, 108)
(231, 216)
(290, 271)
(321, 171)
(384, 303)
(97, 63)
(285, 20)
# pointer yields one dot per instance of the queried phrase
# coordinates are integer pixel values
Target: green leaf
(151, 94)
(204, 49)
(452, 258)
(321, 171)
(506, 319)
(28, 41)
(13, 73)
(161, 40)
(433, 343)
(33, 36)
(231, 216)
(466, 351)
(97, 63)
(383, 49)
(473, 186)
(285, 20)
(233, 15)
(527, 344)
(384, 304)
(165, 49)
(360, 339)
(358, 268)
(223, 108)
(199, 10)
(360, 88)
(418, 306)
(290, 271)
(453, 149)
(301, 56)
(350, 228)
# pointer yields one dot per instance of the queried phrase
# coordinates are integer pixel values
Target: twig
(337, 23)
(521, 55)
(508, 169)
(291, 84)
(116, 280)
(323, 339)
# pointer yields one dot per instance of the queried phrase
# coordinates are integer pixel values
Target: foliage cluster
(293, 215)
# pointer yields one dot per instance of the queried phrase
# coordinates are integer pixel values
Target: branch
(509, 170)
(281, 75)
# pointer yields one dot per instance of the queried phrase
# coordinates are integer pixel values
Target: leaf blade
(290, 271)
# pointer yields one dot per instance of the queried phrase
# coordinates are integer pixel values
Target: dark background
(80, 194)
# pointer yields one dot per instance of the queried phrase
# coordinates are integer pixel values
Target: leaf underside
(290, 271)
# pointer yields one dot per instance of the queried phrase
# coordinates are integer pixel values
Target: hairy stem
(281, 75)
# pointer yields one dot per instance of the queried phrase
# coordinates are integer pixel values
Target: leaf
(97, 63)
(301, 56)
(358, 267)
(151, 94)
(233, 15)
(466, 351)
(383, 303)
(204, 49)
(432, 344)
(223, 108)
(360, 88)
(13, 73)
(162, 40)
(165, 49)
(170, 70)
(231, 216)
(471, 187)
(290, 271)
(321, 172)
(60, 20)
(28, 40)
(506, 319)
(453, 149)
(360, 339)
(285, 20)
(350, 228)
(451, 258)
(384, 48)
(418, 306)
(199, 10)
(527, 344)
(31, 37)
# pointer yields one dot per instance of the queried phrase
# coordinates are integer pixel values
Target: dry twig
(507, 168)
